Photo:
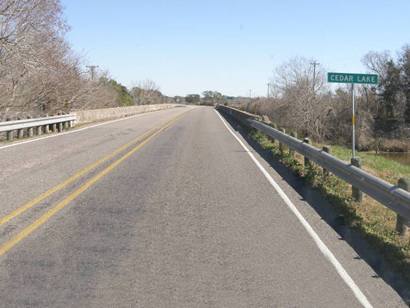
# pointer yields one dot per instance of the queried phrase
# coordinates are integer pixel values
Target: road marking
(76, 130)
(319, 243)
(5, 247)
(70, 180)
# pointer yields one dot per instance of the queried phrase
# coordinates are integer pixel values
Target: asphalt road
(179, 217)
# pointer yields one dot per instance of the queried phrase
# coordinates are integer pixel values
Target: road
(166, 209)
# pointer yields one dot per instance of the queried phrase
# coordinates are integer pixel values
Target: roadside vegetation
(385, 168)
(208, 98)
(300, 99)
(374, 221)
(40, 73)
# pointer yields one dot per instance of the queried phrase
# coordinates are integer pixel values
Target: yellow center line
(5, 247)
(71, 179)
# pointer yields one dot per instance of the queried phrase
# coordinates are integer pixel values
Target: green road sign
(352, 78)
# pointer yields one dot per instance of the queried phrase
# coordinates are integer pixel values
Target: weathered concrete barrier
(86, 116)
(38, 126)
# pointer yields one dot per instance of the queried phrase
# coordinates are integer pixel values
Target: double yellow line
(141, 141)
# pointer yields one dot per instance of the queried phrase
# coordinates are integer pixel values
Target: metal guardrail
(27, 123)
(389, 195)
(55, 122)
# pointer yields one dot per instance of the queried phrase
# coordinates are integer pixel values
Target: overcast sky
(230, 46)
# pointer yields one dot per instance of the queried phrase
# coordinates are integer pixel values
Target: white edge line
(78, 130)
(322, 246)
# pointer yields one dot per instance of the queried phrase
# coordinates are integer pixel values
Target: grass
(380, 166)
(374, 221)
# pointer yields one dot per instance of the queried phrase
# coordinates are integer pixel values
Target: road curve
(177, 215)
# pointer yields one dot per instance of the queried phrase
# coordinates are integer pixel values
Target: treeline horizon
(41, 74)
(307, 104)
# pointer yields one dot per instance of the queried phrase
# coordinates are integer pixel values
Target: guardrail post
(39, 130)
(326, 149)
(281, 145)
(60, 127)
(402, 224)
(54, 127)
(266, 119)
(357, 195)
(9, 134)
(20, 133)
(67, 125)
(271, 124)
(306, 161)
(46, 129)
(30, 130)
(275, 127)
(292, 152)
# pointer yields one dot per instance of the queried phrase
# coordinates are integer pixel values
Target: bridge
(171, 208)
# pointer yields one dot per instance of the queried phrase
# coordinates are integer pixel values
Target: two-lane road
(166, 209)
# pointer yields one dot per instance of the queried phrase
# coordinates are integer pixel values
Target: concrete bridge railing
(38, 126)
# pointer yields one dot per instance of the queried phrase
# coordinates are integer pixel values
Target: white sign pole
(353, 124)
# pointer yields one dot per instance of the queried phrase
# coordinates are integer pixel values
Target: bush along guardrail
(37, 126)
(394, 197)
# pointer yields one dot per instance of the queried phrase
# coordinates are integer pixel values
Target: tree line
(40, 73)
(301, 100)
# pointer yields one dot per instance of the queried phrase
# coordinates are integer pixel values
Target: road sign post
(353, 79)
(353, 124)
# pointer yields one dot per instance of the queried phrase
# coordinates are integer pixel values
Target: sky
(230, 46)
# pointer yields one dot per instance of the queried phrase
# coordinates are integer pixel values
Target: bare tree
(296, 99)
(39, 73)
(146, 92)
(376, 62)
(31, 38)
(148, 85)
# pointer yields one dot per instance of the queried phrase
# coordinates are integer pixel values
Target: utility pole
(92, 70)
(250, 93)
(314, 63)
(268, 94)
